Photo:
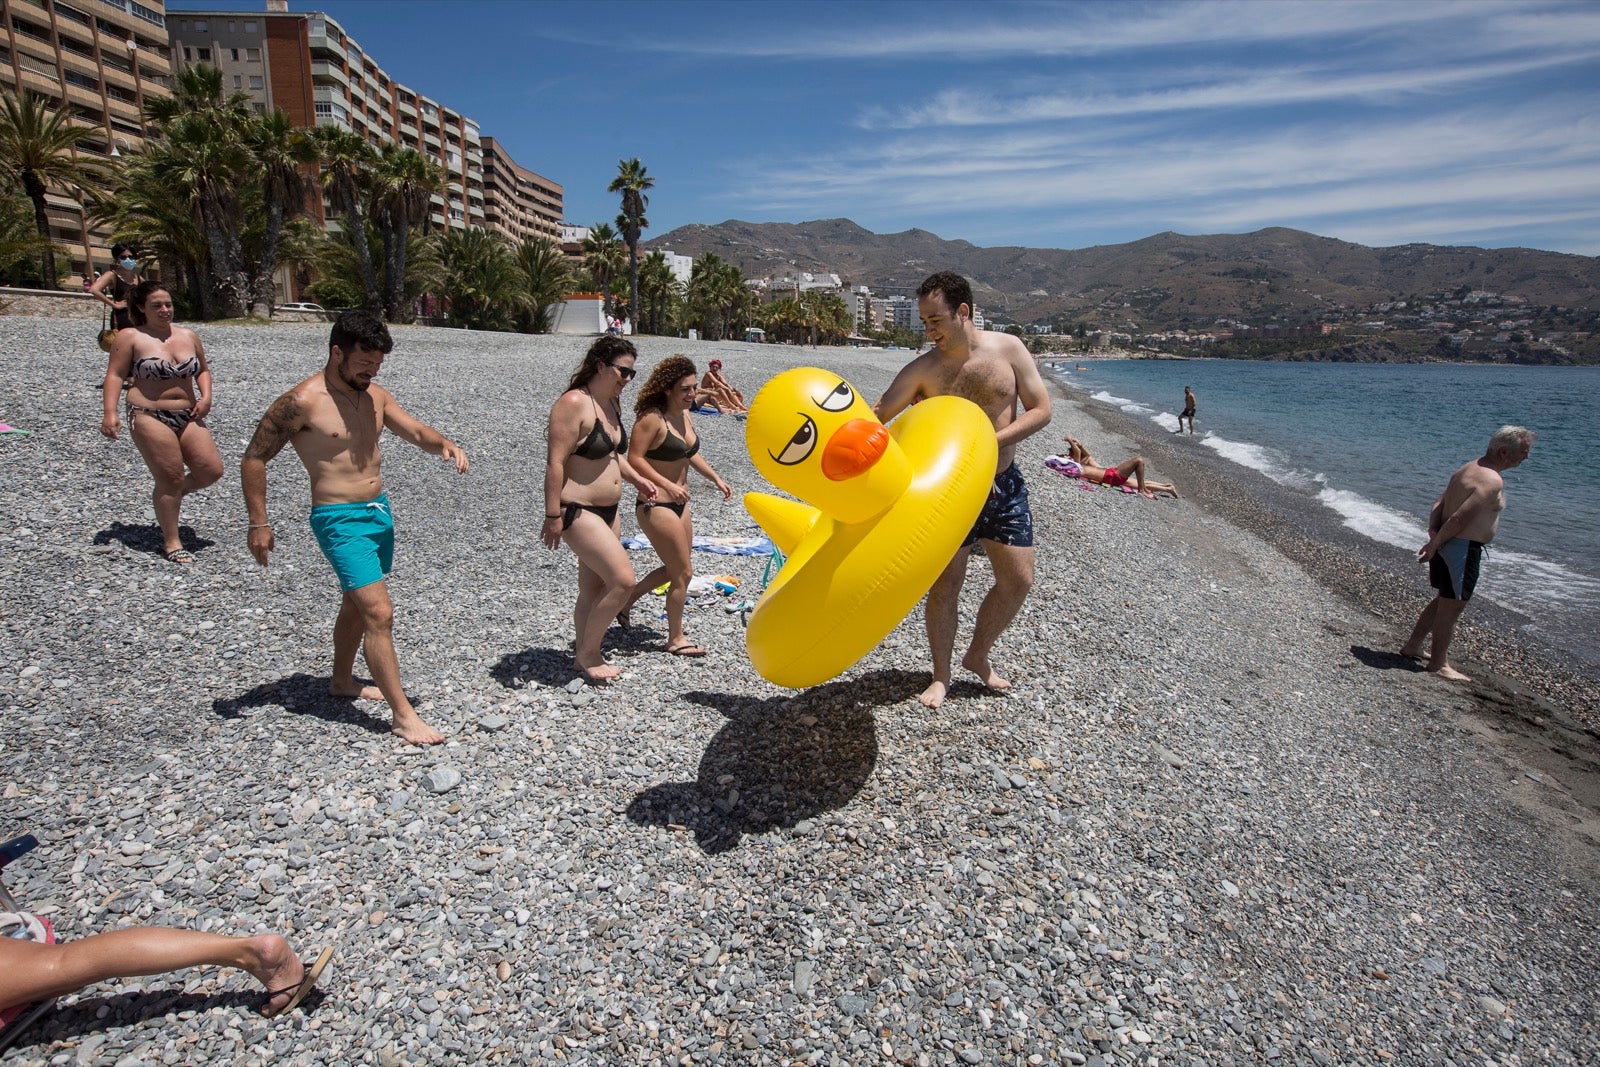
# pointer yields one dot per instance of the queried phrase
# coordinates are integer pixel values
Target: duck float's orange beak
(854, 448)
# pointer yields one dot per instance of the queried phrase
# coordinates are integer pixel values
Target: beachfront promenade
(1209, 825)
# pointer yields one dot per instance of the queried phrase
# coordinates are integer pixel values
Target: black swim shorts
(1006, 518)
(1453, 570)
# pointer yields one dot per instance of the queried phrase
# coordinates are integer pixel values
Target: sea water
(1375, 444)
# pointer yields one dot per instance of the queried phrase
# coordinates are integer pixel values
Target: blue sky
(1049, 125)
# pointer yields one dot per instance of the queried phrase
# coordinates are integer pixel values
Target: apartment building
(518, 202)
(100, 60)
(308, 67)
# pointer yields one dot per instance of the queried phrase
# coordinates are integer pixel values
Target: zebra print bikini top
(155, 367)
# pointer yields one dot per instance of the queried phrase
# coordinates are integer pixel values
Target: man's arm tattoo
(275, 428)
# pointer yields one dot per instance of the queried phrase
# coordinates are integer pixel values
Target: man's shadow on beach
(302, 694)
(1381, 659)
(146, 537)
(778, 761)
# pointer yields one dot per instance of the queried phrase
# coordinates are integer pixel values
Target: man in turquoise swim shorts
(1463, 520)
(334, 420)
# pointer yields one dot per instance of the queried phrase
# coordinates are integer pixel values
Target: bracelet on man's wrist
(259, 526)
(557, 515)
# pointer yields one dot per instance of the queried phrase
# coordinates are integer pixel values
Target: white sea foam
(1373, 519)
(1166, 420)
(1122, 403)
(1273, 463)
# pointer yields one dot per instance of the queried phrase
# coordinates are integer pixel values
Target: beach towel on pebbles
(722, 546)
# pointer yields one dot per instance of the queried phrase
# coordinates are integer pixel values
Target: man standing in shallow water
(1462, 521)
(334, 419)
(994, 371)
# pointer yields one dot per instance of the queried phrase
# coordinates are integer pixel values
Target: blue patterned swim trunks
(1006, 518)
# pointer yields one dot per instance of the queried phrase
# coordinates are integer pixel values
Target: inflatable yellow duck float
(884, 511)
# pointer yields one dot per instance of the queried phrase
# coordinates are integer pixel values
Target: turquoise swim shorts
(358, 540)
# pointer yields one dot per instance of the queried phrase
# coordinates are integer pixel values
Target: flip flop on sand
(179, 555)
(689, 649)
(307, 984)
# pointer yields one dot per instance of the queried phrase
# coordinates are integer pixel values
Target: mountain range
(1160, 282)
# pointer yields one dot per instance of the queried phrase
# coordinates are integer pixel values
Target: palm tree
(19, 241)
(141, 209)
(202, 160)
(660, 290)
(281, 152)
(347, 160)
(36, 155)
(205, 165)
(545, 276)
(631, 181)
(602, 257)
(403, 183)
(481, 279)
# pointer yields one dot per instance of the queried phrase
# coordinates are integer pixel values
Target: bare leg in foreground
(32, 971)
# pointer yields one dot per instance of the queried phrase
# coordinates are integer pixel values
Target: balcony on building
(329, 72)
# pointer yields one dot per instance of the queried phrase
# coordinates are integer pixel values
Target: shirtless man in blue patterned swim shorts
(994, 371)
(334, 419)
(1463, 520)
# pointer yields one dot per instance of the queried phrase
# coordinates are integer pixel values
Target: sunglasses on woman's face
(626, 372)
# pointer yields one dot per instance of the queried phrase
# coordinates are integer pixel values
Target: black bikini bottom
(606, 513)
(676, 509)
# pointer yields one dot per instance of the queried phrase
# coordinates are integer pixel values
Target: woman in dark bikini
(584, 470)
(165, 366)
(113, 287)
(664, 447)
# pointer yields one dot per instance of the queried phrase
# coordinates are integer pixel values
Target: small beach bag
(107, 333)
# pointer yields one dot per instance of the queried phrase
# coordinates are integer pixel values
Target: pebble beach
(1215, 821)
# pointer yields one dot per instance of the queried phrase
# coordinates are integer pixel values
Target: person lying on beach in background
(1463, 520)
(334, 420)
(994, 371)
(716, 391)
(1118, 476)
(38, 967)
(1187, 412)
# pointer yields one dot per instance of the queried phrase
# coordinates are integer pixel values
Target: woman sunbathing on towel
(1118, 476)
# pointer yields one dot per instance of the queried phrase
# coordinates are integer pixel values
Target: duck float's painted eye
(839, 399)
(800, 445)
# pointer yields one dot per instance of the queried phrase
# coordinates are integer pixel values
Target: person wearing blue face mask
(113, 287)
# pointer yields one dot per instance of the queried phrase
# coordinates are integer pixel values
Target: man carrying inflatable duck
(994, 371)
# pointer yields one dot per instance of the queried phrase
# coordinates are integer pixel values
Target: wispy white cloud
(984, 33)
(1230, 90)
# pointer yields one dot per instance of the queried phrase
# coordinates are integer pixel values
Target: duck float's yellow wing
(785, 521)
(888, 509)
